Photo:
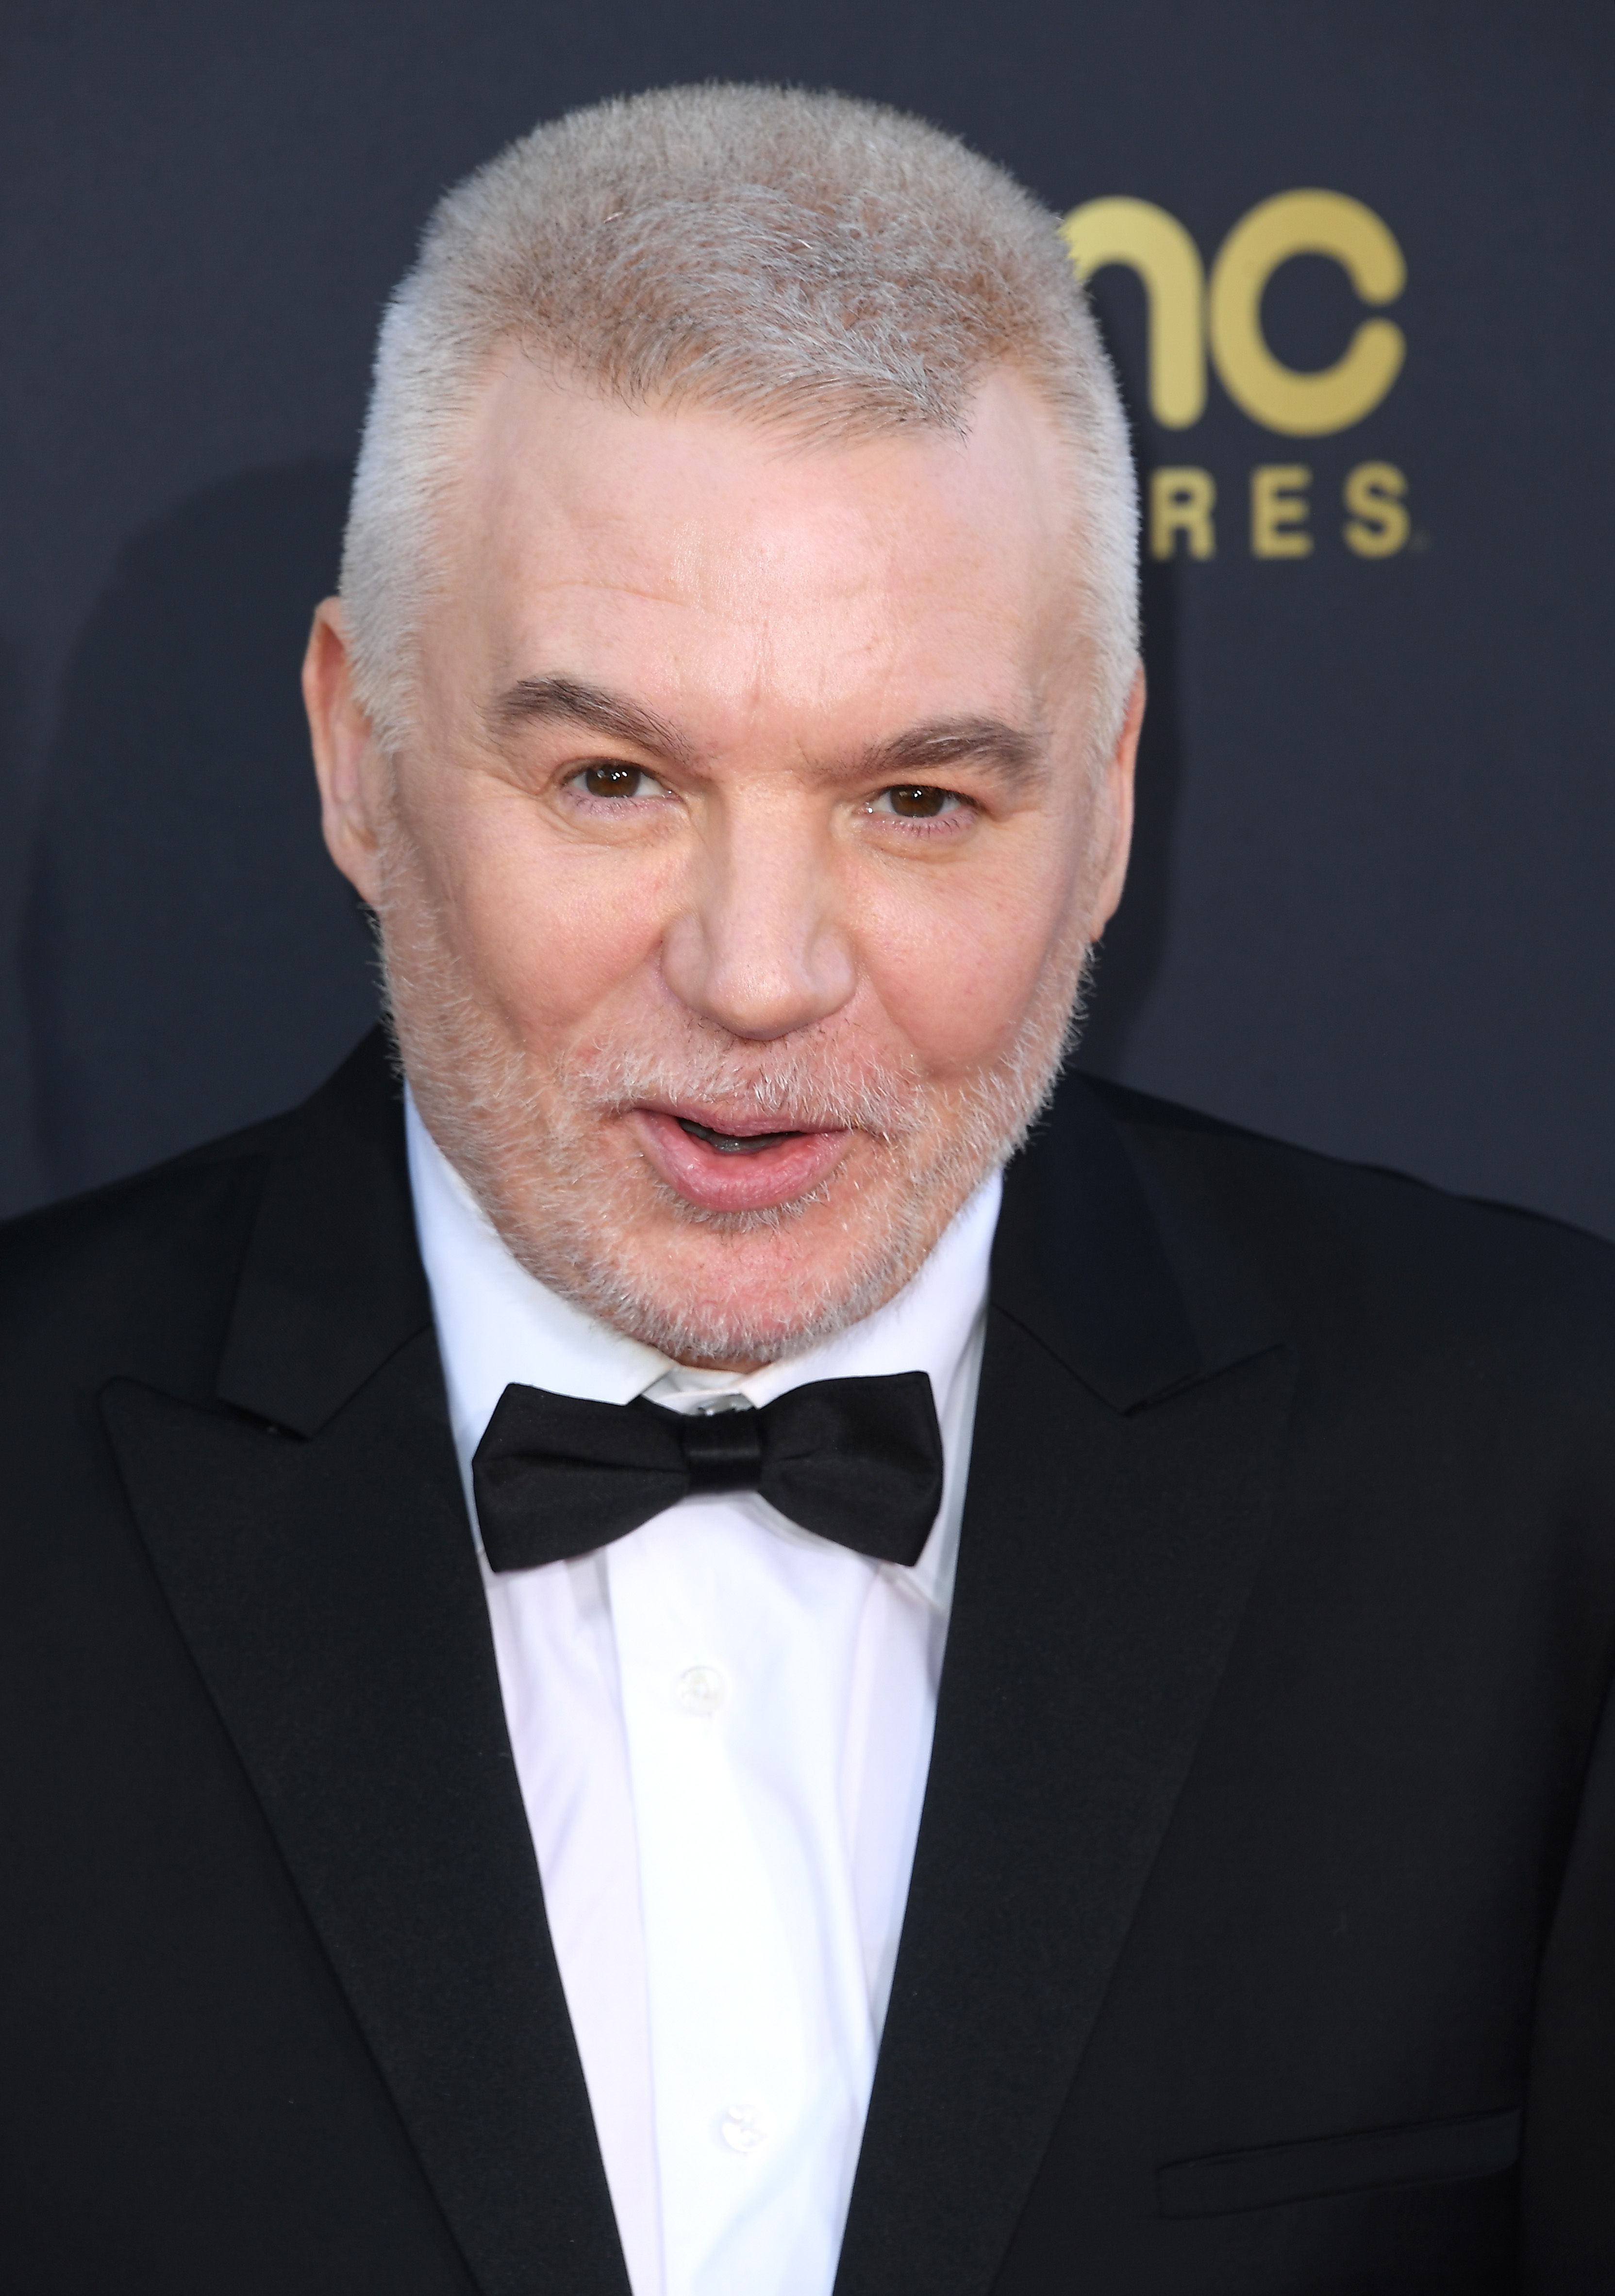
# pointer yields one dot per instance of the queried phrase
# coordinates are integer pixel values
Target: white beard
(523, 1133)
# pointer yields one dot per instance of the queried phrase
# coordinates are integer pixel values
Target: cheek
(956, 969)
(550, 933)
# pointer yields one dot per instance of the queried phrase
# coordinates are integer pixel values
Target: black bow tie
(856, 1460)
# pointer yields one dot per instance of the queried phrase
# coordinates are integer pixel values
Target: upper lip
(747, 1126)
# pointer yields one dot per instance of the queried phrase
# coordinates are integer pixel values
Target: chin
(733, 1290)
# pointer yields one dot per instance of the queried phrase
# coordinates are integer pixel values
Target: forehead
(710, 563)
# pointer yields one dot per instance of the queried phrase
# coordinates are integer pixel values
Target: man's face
(735, 880)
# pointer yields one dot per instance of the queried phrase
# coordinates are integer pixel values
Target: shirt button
(701, 1690)
(745, 2128)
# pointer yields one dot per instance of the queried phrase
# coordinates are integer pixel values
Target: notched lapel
(330, 1595)
(332, 1283)
(1106, 1559)
(1078, 1261)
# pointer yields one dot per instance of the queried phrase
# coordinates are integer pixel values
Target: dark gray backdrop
(1370, 909)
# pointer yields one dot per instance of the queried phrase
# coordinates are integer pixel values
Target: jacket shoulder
(136, 1276)
(1328, 1238)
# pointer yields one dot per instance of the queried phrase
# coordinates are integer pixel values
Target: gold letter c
(1305, 223)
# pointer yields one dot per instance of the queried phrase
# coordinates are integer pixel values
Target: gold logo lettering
(1156, 246)
(1279, 510)
(1379, 524)
(1181, 502)
(1305, 223)
(1184, 314)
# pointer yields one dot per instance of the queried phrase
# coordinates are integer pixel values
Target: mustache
(810, 1088)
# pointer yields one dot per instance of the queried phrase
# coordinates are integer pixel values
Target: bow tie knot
(858, 1460)
(722, 1442)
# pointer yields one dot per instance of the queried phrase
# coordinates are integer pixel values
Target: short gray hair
(809, 262)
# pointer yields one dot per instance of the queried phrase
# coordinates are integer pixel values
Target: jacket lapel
(1121, 1483)
(312, 1541)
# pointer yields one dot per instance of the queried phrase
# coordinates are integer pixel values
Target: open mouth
(735, 1143)
(736, 1171)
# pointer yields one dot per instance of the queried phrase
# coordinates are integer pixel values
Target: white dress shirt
(722, 1727)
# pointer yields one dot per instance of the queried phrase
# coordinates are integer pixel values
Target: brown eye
(917, 803)
(608, 780)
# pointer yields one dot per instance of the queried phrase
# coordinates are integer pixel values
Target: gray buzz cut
(811, 263)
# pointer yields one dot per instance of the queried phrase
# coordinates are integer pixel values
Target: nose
(758, 948)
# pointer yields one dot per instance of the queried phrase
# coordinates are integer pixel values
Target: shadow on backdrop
(23, 1179)
(193, 960)
(1132, 950)
(1130, 954)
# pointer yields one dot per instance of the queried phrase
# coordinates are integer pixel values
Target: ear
(1113, 814)
(348, 761)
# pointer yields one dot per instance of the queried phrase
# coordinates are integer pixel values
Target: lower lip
(745, 1182)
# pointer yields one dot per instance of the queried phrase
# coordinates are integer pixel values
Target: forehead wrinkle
(554, 699)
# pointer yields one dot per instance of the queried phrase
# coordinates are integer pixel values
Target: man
(658, 1658)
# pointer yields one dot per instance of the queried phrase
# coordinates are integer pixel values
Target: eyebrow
(559, 700)
(1013, 755)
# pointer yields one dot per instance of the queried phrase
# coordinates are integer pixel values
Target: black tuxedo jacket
(1262, 1930)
